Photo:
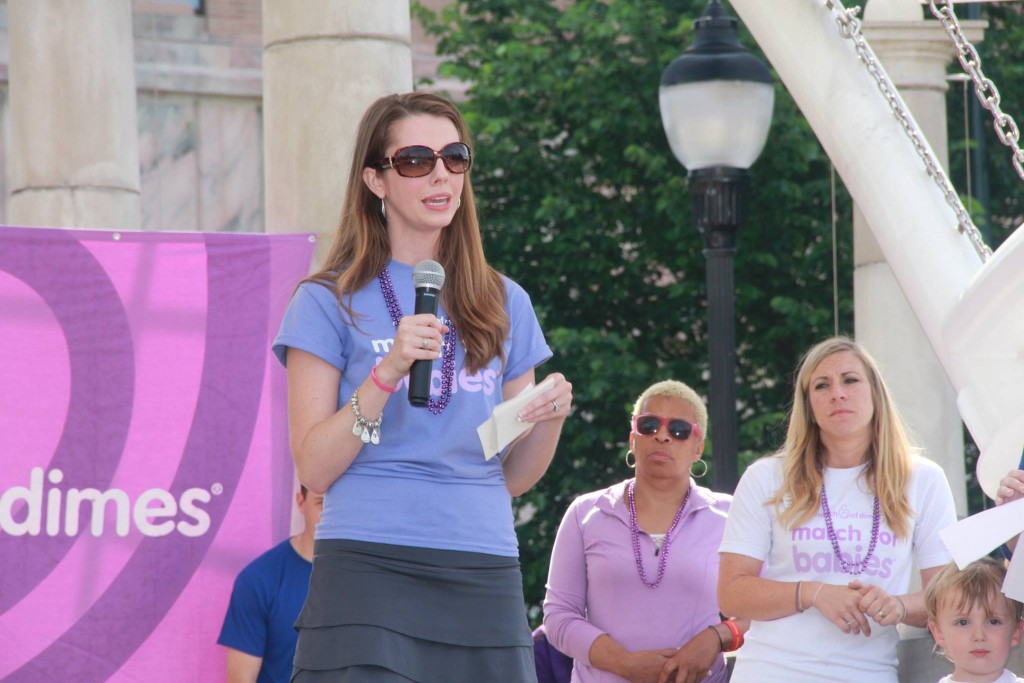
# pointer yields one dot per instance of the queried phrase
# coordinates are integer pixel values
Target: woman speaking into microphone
(415, 572)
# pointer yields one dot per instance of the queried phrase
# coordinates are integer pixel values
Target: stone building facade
(200, 117)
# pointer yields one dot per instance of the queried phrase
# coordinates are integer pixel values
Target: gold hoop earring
(629, 464)
(383, 209)
(702, 472)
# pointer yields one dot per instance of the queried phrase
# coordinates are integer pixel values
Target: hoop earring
(629, 464)
(702, 472)
(383, 209)
(458, 205)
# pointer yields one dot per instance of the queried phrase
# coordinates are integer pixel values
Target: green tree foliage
(583, 203)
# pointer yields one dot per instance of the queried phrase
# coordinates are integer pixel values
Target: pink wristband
(381, 385)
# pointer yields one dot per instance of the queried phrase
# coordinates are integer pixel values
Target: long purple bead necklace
(434, 405)
(850, 567)
(634, 532)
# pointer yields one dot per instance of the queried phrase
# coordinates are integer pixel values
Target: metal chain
(849, 27)
(1006, 128)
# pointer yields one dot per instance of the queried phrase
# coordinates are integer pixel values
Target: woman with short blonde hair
(631, 585)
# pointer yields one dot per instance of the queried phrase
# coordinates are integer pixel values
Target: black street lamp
(716, 104)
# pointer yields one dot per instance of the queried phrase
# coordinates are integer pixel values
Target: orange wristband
(737, 636)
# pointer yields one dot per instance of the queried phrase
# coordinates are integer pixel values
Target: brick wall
(163, 6)
(227, 21)
(238, 20)
(425, 61)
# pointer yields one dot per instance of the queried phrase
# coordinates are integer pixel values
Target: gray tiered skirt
(379, 613)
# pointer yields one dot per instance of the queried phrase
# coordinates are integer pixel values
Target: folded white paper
(502, 427)
(979, 534)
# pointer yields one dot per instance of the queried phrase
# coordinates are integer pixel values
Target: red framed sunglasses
(416, 161)
(680, 430)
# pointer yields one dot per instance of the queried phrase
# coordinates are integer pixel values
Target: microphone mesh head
(428, 274)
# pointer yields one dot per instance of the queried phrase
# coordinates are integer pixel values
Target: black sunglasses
(416, 161)
(648, 425)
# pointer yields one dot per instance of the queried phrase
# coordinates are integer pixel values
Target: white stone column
(915, 54)
(324, 62)
(74, 156)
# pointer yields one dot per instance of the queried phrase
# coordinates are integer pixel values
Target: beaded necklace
(434, 405)
(634, 532)
(850, 567)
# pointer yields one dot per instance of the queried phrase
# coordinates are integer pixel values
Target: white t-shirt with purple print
(807, 647)
(1006, 677)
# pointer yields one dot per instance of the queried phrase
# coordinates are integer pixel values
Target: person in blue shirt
(1011, 488)
(259, 628)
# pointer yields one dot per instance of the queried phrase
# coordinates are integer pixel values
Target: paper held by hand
(502, 427)
(979, 534)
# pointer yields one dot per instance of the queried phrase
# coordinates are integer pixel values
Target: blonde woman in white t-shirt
(822, 536)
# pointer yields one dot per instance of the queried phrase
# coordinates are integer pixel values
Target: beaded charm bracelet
(368, 431)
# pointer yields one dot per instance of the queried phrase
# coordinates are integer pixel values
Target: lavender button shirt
(594, 587)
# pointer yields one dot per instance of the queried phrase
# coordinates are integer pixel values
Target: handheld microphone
(427, 277)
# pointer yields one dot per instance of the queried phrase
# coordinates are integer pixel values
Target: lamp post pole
(716, 103)
(719, 198)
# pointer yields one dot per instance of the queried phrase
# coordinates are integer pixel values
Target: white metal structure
(970, 306)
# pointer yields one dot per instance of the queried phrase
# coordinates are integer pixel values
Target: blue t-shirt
(265, 602)
(427, 483)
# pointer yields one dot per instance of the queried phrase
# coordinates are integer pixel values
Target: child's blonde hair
(979, 584)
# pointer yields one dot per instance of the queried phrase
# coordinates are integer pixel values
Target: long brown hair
(889, 456)
(473, 293)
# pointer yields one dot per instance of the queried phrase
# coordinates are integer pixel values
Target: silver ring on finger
(554, 406)
(880, 615)
(424, 342)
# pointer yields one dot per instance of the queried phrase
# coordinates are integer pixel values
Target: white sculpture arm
(972, 312)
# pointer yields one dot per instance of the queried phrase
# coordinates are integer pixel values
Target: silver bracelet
(368, 431)
(904, 606)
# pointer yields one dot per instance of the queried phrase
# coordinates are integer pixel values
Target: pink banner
(143, 445)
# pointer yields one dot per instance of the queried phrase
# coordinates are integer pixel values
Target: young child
(974, 624)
